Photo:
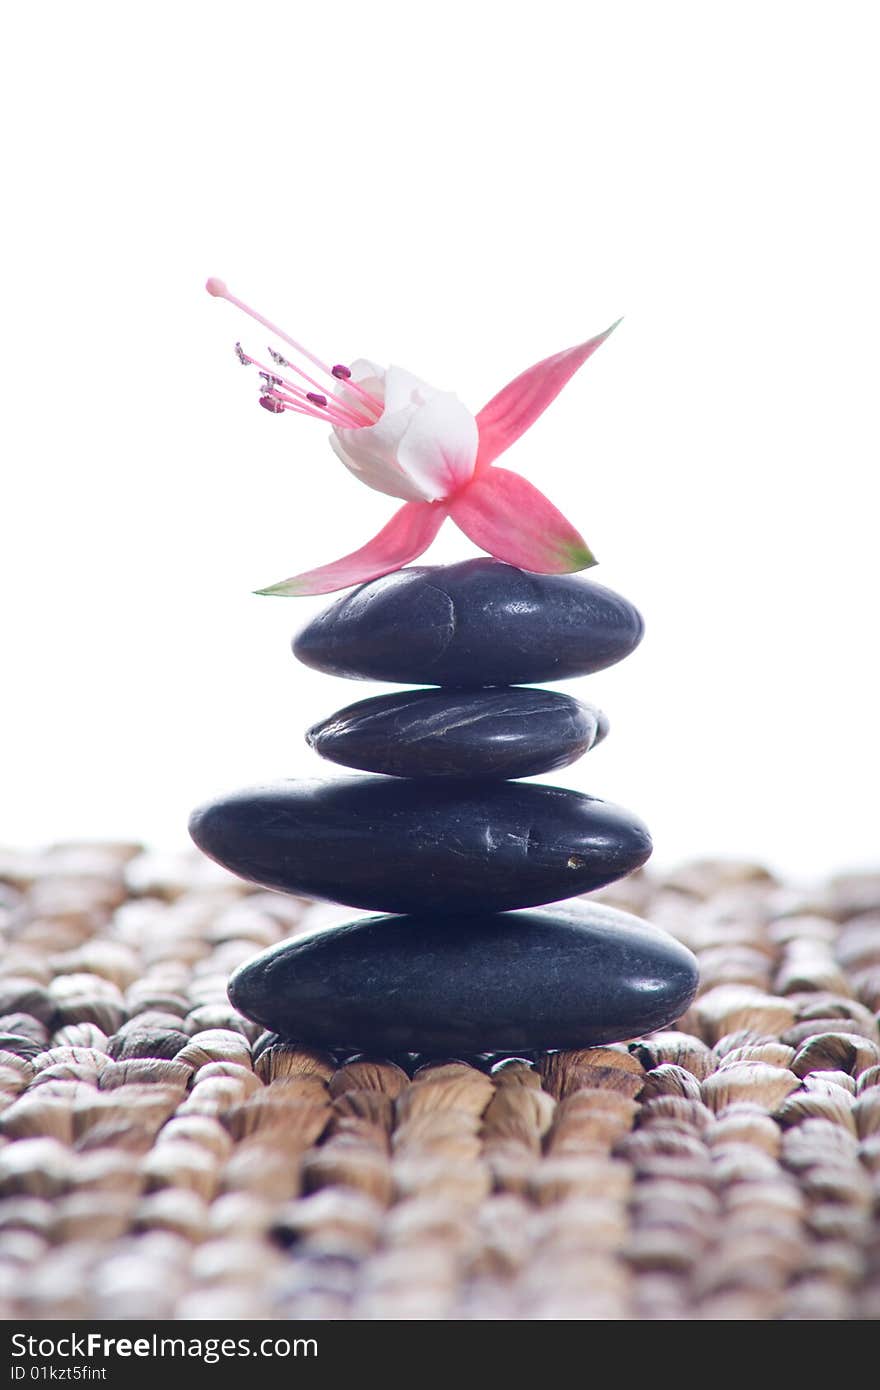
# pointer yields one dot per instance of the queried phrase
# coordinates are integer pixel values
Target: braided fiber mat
(159, 1158)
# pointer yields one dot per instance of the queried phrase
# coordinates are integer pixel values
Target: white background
(463, 190)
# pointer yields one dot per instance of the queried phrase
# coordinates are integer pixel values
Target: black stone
(564, 977)
(503, 732)
(472, 624)
(419, 846)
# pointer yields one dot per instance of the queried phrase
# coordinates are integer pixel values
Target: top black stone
(477, 623)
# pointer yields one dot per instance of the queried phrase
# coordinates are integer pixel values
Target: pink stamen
(342, 415)
(297, 403)
(341, 403)
(342, 373)
(272, 404)
(219, 290)
(294, 407)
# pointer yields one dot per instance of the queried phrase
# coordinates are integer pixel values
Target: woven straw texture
(159, 1158)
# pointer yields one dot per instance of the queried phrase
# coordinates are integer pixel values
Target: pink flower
(403, 437)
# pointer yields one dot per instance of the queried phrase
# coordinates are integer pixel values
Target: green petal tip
(582, 558)
(288, 588)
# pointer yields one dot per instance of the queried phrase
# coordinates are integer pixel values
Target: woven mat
(159, 1158)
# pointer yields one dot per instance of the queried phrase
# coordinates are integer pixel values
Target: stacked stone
(461, 857)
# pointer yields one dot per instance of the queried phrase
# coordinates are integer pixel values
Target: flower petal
(373, 457)
(518, 405)
(409, 532)
(422, 448)
(439, 449)
(508, 517)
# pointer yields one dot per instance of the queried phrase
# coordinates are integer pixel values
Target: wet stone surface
(396, 845)
(473, 624)
(563, 977)
(506, 732)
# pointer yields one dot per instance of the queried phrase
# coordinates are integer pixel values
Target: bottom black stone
(562, 977)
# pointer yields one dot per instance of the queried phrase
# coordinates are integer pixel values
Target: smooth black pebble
(502, 732)
(477, 623)
(396, 845)
(564, 977)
